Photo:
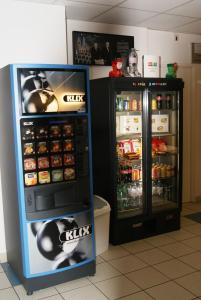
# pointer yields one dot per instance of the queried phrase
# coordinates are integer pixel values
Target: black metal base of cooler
(37, 283)
(131, 229)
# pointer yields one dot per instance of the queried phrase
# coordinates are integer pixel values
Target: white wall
(146, 41)
(30, 33)
(163, 43)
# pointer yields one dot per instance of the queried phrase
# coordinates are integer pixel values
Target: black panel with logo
(52, 91)
(55, 164)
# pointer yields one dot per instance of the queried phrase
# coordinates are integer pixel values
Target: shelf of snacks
(163, 134)
(128, 136)
(128, 113)
(160, 147)
(129, 148)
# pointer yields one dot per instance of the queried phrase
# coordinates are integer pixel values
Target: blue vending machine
(46, 173)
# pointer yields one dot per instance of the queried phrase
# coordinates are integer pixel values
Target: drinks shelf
(164, 134)
(128, 113)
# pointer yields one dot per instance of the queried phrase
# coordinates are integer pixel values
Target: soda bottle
(153, 104)
(168, 101)
(133, 105)
(159, 101)
(139, 105)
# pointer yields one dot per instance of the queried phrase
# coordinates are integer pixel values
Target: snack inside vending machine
(46, 173)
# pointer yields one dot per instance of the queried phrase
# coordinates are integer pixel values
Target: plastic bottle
(159, 101)
(153, 104)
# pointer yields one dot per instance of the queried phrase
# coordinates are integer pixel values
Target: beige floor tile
(191, 282)
(169, 291)
(55, 297)
(127, 264)
(193, 259)
(117, 287)
(8, 294)
(174, 268)
(99, 259)
(138, 296)
(194, 242)
(147, 277)
(186, 212)
(187, 222)
(181, 234)
(71, 285)
(114, 252)
(196, 229)
(177, 249)
(153, 256)
(193, 206)
(44, 293)
(137, 246)
(4, 282)
(160, 240)
(89, 292)
(104, 271)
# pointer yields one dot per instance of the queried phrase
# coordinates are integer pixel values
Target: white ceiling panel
(99, 2)
(153, 5)
(37, 1)
(83, 11)
(168, 15)
(124, 16)
(194, 28)
(191, 9)
(166, 22)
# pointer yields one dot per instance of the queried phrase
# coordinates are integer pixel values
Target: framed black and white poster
(98, 48)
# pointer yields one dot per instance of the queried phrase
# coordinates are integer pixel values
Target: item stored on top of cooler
(42, 147)
(30, 179)
(29, 164)
(55, 131)
(68, 145)
(41, 132)
(44, 177)
(56, 160)
(55, 146)
(67, 130)
(69, 173)
(28, 148)
(69, 159)
(28, 133)
(43, 162)
(57, 175)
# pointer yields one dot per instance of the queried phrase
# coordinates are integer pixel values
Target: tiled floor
(164, 267)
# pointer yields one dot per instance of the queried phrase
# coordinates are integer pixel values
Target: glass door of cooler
(130, 198)
(165, 150)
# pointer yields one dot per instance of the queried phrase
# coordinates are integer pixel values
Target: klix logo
(76, 233)
(73, 98)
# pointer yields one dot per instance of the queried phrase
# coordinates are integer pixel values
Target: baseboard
(3, 257)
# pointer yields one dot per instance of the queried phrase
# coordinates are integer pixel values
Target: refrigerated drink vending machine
(137, 152)
(46, 173)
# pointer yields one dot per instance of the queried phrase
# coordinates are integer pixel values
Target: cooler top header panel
(142, 83)
(50, 91)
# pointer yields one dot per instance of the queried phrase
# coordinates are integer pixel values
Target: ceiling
(181, 16)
